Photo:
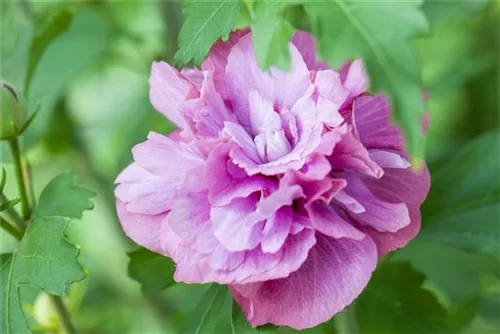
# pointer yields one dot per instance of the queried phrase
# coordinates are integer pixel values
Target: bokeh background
(92, 90)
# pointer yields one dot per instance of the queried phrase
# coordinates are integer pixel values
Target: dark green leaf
(379, 33)
(206, 314)
(240, 324)
(153, 271)
(48, 260)
(56, 25)
(3, 181)
(462, 315)
(271, 33)
(489, 309)
(395, 302)
(206, 21)
(463, 208)
(62, 197)
(11, 312)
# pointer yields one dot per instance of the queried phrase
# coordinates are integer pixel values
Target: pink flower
(285, 186)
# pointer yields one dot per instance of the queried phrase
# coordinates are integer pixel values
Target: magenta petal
(350, 154)
(381, 215)
(234, 225)
(306, 45)
(333, 275)
(223, 187)
(276, 230)
(326, 220)
(168, 90)
(371, 116)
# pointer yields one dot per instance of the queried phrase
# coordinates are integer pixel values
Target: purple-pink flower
(286, 186)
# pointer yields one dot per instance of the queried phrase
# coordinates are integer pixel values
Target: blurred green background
(91, 88)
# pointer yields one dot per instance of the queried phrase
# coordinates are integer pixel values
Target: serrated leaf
(271, 33)
(153, 271)
(11, 312)
(240, 324)
(463, 207)
(54, 27)
(48, 259)
(206, 314)
(206, 21)
(62, 197)
(395, 302)
(379, 33)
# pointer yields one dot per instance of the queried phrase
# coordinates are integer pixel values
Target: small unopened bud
(13, 115)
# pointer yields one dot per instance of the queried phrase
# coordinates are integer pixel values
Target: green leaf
(206, 21)
(240, 324)
(62, 197)
(379, 33)
(271, 33)
(153, 271)
(9, 204)
(395, 302)
(3, 180)
(54, 27)
(463, 207)
(206, 314)
(48, 259)
(11, 312)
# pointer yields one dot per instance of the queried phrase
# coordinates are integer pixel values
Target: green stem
(63, 315)
(20, 177)
(25, 187)
(11, 215)
(12, 230)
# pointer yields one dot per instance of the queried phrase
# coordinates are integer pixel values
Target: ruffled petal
(334, 274)
(168, 90)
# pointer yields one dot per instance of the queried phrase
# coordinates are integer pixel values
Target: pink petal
(334, 274)
(381, 215)
(276, 230)
(168, 90)
(388, 159)
(233, 227)
(350, 154)
(401, 185)
(306, 44)
(263, 118)
(241, 138)
(354, 78)
(371, 116)
(223, 186)
(326, 220)
(142, 229)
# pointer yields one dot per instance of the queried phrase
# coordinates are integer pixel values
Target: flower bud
(13, 115)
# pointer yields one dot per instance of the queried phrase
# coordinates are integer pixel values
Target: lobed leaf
(62, 197)
(206, 21)
(271, 33)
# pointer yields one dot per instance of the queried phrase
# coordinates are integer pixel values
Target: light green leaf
(240, 324)
(11, 312)
(206, 314)
(62, 197)
(379, 33)
(463, 207)
(271, 33)
(206, 21)
(395, 302)
(153, 271)
(52, 28)
(48, 260)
